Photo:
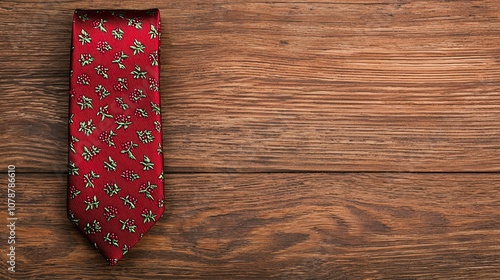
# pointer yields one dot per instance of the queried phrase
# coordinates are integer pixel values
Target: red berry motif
(91, 202)
(88, 179)
(111, 189)
(101, 91)
(99, 24)
(103, 47)
(136, 95)
(154, 85)
(83, 79)
(101, 70)
(121, 85)
(129, 201)
(133, 200)
(147, 190)
(118, 59)
(73, 192)
(148, 216)
(117, 56)
(85, 59)
(107, 137)
(141, 113)
(86, 56)
(111, 238)
(128, 224)
(92, 228)
(135, 22)
(104, 136)
(127, 148)
(122, 121)
(157, 126)
(127, 145)
(146, 136)
(153, 58)
(130, 175)
(110, 212)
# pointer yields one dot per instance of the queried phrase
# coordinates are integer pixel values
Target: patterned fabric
(115, 178)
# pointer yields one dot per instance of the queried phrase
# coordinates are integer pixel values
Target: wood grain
(322, 139)
(283, 226)
(250, 86)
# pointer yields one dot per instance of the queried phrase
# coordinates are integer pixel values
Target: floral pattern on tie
(115, 173)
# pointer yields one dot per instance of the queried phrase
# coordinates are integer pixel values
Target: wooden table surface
(323, 139)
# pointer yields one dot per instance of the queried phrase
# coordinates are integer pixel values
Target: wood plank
(286, 226)
(281, 86)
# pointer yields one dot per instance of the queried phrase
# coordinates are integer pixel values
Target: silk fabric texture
(115, 176)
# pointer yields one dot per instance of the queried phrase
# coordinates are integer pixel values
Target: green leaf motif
(103, 47)
(136, 22)
(145, 136)
(129, 201)
(103, 111)
(111, 189)
(87, 127)
(84, 37)
(107, 137)
(117, 33)
(138, 47)
(110, 165)
(72, 143)
(101, 70)
(92, 203)
(85, 102)
(123, 122)
(125, 249)
(138, 74)
(128, 224)
(88, 179)
(85, 59)
(111, 239)
(127, 148)
(72, 169)
(92, 228)
(120, 101)
(119, 58)
(147, 189)
(83, 17)
(153, 33)
(100, 25)
(72, 217)
(155, 108)
(102, 91)
(153, 58)
(147, 164)
(148, 216)
(88, 154)
(157, 126)
(141, 112)
(108, 213)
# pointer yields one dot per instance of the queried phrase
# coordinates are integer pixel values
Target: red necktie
(115, 175)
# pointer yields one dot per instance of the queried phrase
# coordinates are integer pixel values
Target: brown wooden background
(324, 139)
